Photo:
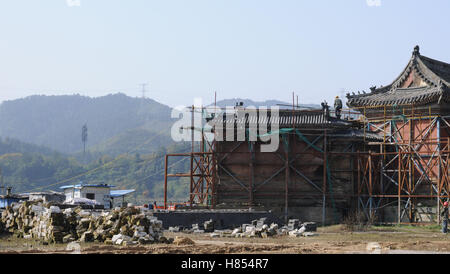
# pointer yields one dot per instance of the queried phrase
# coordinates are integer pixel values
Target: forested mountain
(28, 168)
(56, 122)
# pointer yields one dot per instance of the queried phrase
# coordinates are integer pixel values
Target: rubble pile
(259, 228)
(183, 241)
(209, 226)
(196, 229)
(2, 228)
(121, 226)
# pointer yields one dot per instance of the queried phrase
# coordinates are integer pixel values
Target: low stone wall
(224, 219)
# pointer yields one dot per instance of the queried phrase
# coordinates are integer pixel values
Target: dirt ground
(329, 240)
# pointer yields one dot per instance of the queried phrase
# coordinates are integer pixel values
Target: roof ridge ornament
(416, 51)
(440, 84)
(441, 91)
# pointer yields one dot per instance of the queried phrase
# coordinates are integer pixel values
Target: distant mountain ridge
(56, 121)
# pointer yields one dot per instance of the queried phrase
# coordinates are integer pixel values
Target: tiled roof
(402, 96)
(287, 118)
(303, 121)
(358, 134)
(434, 74)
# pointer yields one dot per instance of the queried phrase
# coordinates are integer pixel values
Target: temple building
(386, 158)
(411, 114)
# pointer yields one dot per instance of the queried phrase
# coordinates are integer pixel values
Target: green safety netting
(285, 131)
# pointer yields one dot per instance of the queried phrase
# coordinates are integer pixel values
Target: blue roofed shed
(9, 198)
(121, 193)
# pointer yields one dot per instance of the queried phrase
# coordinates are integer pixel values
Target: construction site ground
(395, 239)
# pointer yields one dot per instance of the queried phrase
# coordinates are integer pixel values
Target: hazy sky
(256, 49)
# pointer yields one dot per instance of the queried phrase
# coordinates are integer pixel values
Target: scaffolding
(202, 173)
(410, 169)
(207, 160)
(407, 170)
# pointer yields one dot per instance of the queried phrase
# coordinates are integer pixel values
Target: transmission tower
(84, 136)
(144, 90)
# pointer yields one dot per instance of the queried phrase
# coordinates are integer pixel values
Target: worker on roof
(337, 107)
(444, 215)
(325, 109)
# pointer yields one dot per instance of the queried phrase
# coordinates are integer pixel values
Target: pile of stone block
(310, 226)
(296, 229)
(174, 229)
(32, 220)
(124, 226)
(2, 226)
(260, 229)
(209, 226)
(196, 229)
(293, 224)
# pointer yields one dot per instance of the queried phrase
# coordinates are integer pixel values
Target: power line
(100, 167)
(160, 171)
(152, 160)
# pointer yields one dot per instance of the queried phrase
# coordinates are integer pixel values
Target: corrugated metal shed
(120, 193)
(8, 200)
(87, 185)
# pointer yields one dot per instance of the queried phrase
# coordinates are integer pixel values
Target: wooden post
(324, 187)
(191, 190)
(359, 179)
(252, 173)
(384, 127)
(214, 174)
(286, 186)
(411, 167)
(352, 168)
(165, 181)
(382, 162)
(438, 209)
(370, 184)
(399, 186)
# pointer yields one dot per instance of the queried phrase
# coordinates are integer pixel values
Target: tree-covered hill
(56, 122)
(34, 170)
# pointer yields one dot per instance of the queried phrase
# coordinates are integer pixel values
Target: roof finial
(416, 50)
